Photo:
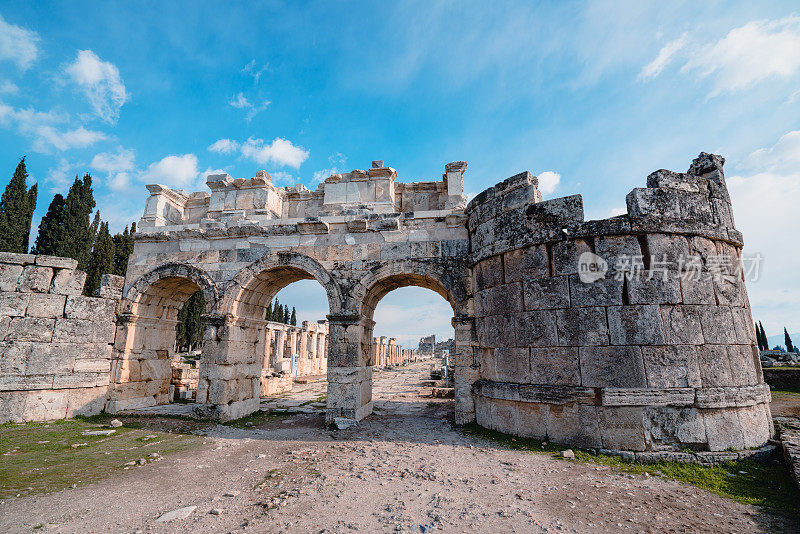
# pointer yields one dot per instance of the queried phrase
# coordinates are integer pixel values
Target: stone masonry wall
(627, 333)
(55, 344)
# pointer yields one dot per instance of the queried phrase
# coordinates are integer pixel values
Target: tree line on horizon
(66, 230)
(763, 342)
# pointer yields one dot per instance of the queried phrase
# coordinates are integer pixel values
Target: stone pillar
(304, 365)
(230, 377)
(466, 368)
(349, 375)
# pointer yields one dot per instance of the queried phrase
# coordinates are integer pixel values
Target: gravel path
(403, 469)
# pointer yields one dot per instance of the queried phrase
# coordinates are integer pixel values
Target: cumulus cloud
(8, 88)
(241, 102)
(765, 206)
(664, 57)
(60, 177)
(101, 83)
(18, 44)
(749, 54)
(46, 129)
(548, 181)
(336, 164)
(118, 166)
(224, 146)
(280, 152)
(173, 171)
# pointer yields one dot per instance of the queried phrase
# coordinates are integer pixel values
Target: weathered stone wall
(55, 344)
(650, 347)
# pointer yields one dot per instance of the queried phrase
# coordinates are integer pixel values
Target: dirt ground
(403, 469)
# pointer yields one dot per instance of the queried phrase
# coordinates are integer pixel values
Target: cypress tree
(758, 336)
(123, 247)
(268, 313)
(788, 340)
(286, 316)
(79, 205)
(17, 205)
(101, 260)
(190, 322)
(293, 318)
(52, 234)
(763, 337)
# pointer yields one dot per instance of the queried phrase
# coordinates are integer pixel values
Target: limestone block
(670, 428)
(14, 304)
(93, 351)
(546, 293)
(9, 276)
(12, 406)
(643, 289)
(30, 329)
(723, 429)
(618, 366)
(56, 262)
(729, 290)
(555, 366)
(17, 258)
(13, 358)
(681, 325)
(90, 308)
(714, 365)
(671, 366)
(667, 251)
(566, 254)
(505, 298)
(25, 382)
(498, 331)
(82, 331)
(603, 292)
(50, 359)
(524, 264)
(35, 279)
(622, 428)
(5, 322)
(45, 405)
(575, 424)
(635, 325)
(512, 364)
(582, 326)
(756, 424)
(155, 369)
(741, 359)
(621, 252)
(488, 273)
(45, 305)
(532, 420)
(80, 380)
(534, 329)
(743, 326)
(717, 322)
(111, 286)
(92, 366)
(739, 396)
(697, 288)
(86, 401)
(68, 282)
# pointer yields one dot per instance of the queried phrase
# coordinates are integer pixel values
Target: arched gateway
(580, 332)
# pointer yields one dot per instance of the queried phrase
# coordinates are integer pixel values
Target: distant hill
(778, 340)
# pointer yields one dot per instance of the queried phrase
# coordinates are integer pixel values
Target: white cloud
(224, 146)
(665, 55)
(80, 137)
(8, 88)
(118, 167)
(765, 206)
(783, 155)
(754, 52)
(241, 102)
(336, 164)
(251, 70)
(42, 129)
(280, 152)
(60, 177)
(101, 82)
(173, 171)
(548, 181)
(18, 44)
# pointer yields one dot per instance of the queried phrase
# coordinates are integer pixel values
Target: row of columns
(309, 342)
(386, 351)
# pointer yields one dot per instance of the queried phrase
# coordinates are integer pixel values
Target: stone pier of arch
(618, 362)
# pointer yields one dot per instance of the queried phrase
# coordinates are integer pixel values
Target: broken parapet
(55, 343)
(651, 348)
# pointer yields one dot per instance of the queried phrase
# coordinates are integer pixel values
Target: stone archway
(145, 338)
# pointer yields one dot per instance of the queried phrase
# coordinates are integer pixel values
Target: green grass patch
(787, 390)
(46, 457)
(761, 484)
(257, 419)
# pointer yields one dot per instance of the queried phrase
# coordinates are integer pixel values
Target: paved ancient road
(404, 469)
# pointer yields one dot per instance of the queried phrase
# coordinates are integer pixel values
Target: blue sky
(591, 96)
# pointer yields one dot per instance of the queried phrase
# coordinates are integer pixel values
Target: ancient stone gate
(615, 360)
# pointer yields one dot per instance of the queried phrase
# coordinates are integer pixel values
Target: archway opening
(151, 366)
(411, 343)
